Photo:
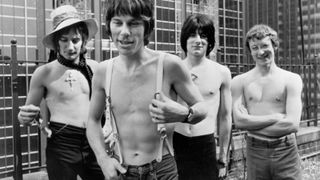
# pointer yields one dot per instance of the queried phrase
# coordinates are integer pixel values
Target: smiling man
(267, 103)
(141, 86)
(195, 144)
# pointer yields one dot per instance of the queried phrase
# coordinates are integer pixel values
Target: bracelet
(190, 113)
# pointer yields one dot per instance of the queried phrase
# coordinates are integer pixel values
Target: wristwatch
(190, 113)
(221, 164)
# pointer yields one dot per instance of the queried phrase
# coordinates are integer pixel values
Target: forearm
(95, 138)
(254, 122)
(224, 137)
(199, 112)
(279, 129)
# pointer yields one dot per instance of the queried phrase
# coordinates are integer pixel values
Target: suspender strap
(159, 73)
(110, 129)
(161, 127)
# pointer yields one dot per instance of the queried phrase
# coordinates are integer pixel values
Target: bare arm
(225, 115)
(188, 91)
(31, 109)
(290, 123)
(241, 117)
(108, 165)
(224, 118)
(167, 110)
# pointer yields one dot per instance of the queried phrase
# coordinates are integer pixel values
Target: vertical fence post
(315, 90)
(17, 158)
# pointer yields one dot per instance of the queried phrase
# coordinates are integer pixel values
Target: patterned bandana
(82, 67)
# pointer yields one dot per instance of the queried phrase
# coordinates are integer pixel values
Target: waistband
(146, 168)
(57, 127)
(206, 137)
(288, 139)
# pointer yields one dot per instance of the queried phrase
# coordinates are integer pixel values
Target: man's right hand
(28, 113)
(110, 168)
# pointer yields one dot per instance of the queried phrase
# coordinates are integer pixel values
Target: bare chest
(132, 93)
(67, 85)
(272, 91)
(208, 82)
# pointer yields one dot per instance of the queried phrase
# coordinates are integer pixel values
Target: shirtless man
(267, 103)
(137, 110)
(65, 85)
(195, 144)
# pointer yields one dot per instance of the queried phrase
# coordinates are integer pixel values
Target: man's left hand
(164, 110)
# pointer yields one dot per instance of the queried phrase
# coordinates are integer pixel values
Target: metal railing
(24, 160)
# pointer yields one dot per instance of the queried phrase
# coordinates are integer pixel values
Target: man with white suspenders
(139, 88)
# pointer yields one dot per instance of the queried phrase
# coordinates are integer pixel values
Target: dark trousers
(195, 157)
(68, 154)
(275, 160)
(164, 170)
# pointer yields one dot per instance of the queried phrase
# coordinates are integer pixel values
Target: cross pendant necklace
(70, 79)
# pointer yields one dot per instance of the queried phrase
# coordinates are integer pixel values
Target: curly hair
(261, 31)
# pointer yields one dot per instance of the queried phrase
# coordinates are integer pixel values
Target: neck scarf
(82, 67)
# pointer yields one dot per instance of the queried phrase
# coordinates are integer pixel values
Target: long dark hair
(201, 23)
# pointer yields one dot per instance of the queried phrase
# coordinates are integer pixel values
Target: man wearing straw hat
(139, 87)
(65, 85)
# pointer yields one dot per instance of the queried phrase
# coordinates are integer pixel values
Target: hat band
(62, 17)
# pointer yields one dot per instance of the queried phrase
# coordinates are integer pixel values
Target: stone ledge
(308, 134)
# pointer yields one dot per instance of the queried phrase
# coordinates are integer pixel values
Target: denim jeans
(68, 154)
(164, 170)
(275, 160)
(196, 157)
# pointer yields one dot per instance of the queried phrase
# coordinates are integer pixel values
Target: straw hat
(65, 16)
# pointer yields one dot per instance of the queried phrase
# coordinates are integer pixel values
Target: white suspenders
(112, 134)
(161, 127)
(110, 119)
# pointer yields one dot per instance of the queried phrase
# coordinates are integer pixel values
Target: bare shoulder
(293, 79)
(92, 63)
(223, 69)
(44, 70)
(173, 65)
(174, 68)
(241, 77)
(101, 67)
(172, 60)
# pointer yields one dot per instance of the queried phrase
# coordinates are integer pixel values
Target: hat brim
(92, 26)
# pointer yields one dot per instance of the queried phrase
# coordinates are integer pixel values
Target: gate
(21, 147)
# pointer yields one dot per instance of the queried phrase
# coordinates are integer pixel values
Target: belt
(272, 143)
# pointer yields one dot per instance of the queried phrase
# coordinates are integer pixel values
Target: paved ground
(42, 175)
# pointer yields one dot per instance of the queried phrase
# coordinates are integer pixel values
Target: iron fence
(23, 147)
